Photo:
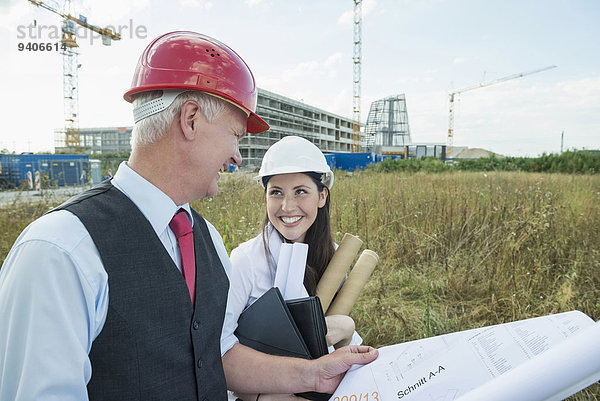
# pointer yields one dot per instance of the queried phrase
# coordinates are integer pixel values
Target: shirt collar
(154, 204)
(274, 239)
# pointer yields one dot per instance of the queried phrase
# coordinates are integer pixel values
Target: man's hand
(332, 367)
(250, 372)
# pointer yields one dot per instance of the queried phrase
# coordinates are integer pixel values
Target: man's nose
(237, 158)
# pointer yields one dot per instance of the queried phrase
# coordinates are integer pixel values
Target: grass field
(457, 250)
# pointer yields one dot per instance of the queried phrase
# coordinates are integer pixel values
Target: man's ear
(189, 119)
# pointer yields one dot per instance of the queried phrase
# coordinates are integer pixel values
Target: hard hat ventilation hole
(213, 52)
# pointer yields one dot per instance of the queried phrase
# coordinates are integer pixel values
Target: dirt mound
(476, 153)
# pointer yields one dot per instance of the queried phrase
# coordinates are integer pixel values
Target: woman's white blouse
(251, 276)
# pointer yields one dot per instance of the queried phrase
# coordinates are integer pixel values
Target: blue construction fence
(359, 160)
(52, 170)
(354, 161)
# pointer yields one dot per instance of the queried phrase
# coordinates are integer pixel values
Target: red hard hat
(191, 61)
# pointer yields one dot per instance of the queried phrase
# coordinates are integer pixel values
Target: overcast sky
(303, 50)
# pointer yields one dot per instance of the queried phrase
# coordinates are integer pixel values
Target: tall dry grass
(457, 250)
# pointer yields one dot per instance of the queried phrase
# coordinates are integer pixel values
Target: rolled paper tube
(360, 274)
(336, 270)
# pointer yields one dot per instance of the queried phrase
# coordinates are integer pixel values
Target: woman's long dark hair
(319, 240)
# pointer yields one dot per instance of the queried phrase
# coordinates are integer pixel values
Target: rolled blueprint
(553, 375)
(336, 270)
(360, 274)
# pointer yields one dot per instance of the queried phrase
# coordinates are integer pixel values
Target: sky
(303, 50)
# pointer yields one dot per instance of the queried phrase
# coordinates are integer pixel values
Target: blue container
(9, 172)
(55, 170)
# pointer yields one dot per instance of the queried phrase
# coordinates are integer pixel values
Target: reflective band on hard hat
(155, 105)
(168, 97)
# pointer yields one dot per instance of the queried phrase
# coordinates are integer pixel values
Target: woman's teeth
(290, 220)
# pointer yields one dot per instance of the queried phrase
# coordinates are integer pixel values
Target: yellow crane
(356, 138)
(70, 67)
(452, 94)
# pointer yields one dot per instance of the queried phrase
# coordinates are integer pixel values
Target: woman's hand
(340, 329)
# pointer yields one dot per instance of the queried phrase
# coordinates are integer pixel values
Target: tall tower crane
(70, 67)
(356, 78)
(449, 149)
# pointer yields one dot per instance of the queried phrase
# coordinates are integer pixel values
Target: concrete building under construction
(98, 140)
(330, 132)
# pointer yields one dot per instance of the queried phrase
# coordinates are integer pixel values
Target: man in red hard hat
(120, 293)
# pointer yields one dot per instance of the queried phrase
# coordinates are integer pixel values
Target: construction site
(350, 142)
(293, 200)
(385, 133)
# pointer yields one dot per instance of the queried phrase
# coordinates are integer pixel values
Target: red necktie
(182, 228)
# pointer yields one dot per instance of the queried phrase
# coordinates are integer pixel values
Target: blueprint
(456, 365)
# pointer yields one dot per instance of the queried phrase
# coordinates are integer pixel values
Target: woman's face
(292, 204)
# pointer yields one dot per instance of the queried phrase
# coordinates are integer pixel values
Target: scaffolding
(387, 126)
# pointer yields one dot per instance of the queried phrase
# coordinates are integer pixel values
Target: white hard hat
(293, 154)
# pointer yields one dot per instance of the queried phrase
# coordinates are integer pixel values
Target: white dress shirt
(54, 296)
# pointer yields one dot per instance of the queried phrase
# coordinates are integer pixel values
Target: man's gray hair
(150, 129)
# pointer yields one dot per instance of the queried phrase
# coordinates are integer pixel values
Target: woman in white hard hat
(297, 181)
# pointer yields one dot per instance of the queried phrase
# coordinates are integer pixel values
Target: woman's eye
(300, 191)
(275, 192)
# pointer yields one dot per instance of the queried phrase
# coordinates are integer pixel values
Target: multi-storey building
(98, 140)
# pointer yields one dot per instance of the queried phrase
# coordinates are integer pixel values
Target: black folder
(268, 326)
(294, 328)
(310, 319)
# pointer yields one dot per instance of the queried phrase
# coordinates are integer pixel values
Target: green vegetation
(572, 162)
(457, 250)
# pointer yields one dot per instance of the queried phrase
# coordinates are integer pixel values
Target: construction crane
(449, 149)
(70, 67)
(356, 137)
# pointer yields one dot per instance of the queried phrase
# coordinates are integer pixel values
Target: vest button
(196, 325)
(199, 363)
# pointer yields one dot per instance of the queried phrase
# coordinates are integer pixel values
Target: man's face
(217, 148)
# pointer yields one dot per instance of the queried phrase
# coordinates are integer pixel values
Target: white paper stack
(289, 277)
